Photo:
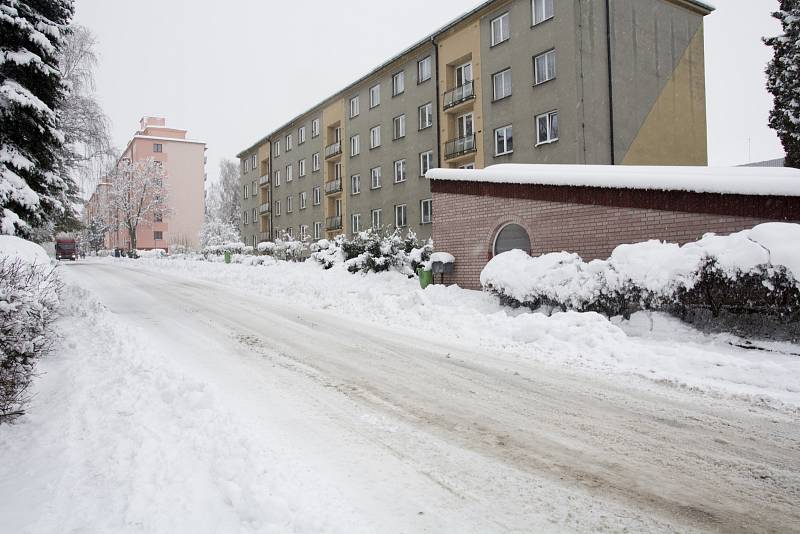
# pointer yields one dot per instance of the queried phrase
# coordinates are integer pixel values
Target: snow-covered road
(307, 420)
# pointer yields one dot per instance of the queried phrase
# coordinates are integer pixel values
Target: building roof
(697, 5)
(726, 180)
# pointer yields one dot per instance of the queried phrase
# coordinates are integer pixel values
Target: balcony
(333, 150)
(333, 223)
(459, 95)
(264, 236)
(263, 208)
(264, 180)
(458, 147)
(332, 187)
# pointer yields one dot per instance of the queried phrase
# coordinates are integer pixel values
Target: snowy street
(234, 412)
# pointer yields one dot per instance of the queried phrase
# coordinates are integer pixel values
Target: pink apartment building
(184, 164)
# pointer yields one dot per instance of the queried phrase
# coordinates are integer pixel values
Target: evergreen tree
(36, 193)
(95, 234)
(783, 80)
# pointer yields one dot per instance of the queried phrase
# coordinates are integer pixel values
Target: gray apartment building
(512, 81)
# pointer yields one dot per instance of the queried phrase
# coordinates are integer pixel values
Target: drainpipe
(435, 66)
(610, 81)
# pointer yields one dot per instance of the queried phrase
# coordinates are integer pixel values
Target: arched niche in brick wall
(508, 236)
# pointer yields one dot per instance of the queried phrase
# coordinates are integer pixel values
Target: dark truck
(66, 249)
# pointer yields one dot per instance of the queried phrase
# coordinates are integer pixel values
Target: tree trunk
(132, 235)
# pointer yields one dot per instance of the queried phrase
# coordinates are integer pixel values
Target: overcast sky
(232, 74)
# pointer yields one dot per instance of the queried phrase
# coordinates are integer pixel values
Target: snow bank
(27, 251)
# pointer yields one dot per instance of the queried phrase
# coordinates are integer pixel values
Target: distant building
(780, 162)
(184, 163)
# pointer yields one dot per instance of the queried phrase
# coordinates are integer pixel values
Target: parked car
(66, 249)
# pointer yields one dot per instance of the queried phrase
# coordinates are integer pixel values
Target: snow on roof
(729, 180)
(160, 138)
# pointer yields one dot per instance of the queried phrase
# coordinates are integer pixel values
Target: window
(375, 178)
(289, 173)
(253, 188)
(315, 128)
(463, 74)
(356, 218)
(424, 69)
(400, 171)
(301, 135)
(547, 128)
(254, 219)
(426, 210)
(500, 29)
(355, 184)
(376, 219)
(398, 83)
(467, 166)
(317, 230)
(544, 67)
(501, 84)
(158, 235)
(276, 150)
(277, 178)
(315, 162)
(354, 107)
(375, 137)
(542, 10)
(254, 162)
(426, 116)
(510, 237)
(245, 165)
(289, 206)
(290, 232)
(303, 232)
(399, 124)
(254, 241)
(400, 213)
(303, 200)
(244, 217)
(425, 162)
(158, 147)
(288, 142)
(503, 140)
(277, 207)
(337, 171)
(317, 194)
(301, 168)
(246, 191)
(374, 96)
(355, 145)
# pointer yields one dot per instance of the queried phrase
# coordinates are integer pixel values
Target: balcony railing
(264, 180)
(460, 146)
(333, 150)
(458, 95)
(263, 208)
(333, 223)
(334, 186)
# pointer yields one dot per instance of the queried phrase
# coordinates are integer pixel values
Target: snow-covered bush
(287, 249)
(746, 272)
(219, 250)
(151, 254)
(374, 251)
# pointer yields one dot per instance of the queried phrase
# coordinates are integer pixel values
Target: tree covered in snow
(138, 195)
(35, 190)
(223, 202)
(95, 233)
(783, 80)
(216, 232)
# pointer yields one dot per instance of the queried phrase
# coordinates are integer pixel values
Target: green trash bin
(425, 277)
(227, 256)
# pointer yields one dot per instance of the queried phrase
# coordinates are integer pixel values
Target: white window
(288, 142)
(315, 162)
(426, 210)
(337, 134)
(245, 216)
(399, 124)
(276, 149)
(301, 168)
(400, 213)
(246, 191)
(317, 230)
(355, 184)
(355, 145)
(246, 165)
(501, 84)
(503, 140)
(315, 128)
(253, 189)
(463, 74)
(356, 217)
(501, 30)
(158, 147)
(375, 137)
(290, 232)
(303, 232)
(277, 207)
(277, 178)
(374, 96)
(425, 116)
(255, 216)
(303, 199)
(354, 107)
(376, 219)
(301, 135)
(400, 171)
(547, 128)
(398, 83)
(337, 171)
(317, 193)
(544, 67)
(466, 125)
(375, 177)
(542, 10)
(289, 173)
(254, 162)
(289, 206)
(425, 162)
(424, 69)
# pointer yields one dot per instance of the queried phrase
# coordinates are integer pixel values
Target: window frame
(372, 138)
(277, 178)
(317, 230)
(315, 162)
(401, 120)
(428, 154)
(549, 115)
(492, 42)
(508, 150)
(355, 184)
(289, 142)
(289, 173)
(372, 176)
(398, 79)
(277, 207)
(289, 203)
(495, 77)
(545, 17)
(303, 200)
(375, 96)
(158, 235)
(301, 135)
(355, 145)
(276, 150)
(372, 216)
(426, 60)
(553, 75)
(301, 168)
(422, 204)
(403, 171)
(355, 222)
(158, 148)
(397, 211)
(316, 196)
(429, 115)
(355, 106)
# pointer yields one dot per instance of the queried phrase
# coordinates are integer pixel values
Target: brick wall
(466, 224)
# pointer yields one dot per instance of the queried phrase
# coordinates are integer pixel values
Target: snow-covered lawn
(653, 346)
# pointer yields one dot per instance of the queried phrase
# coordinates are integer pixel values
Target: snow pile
(751, 270)
(22, 249)
(373, 251)
(153, 253)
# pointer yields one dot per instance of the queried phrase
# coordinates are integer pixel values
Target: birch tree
(138, 195)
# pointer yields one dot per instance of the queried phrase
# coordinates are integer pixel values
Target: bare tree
(138, 195)
(223, 202)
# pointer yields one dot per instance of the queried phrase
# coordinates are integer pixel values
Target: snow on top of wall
(444, 257)
(729, 180)
(18, 248)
